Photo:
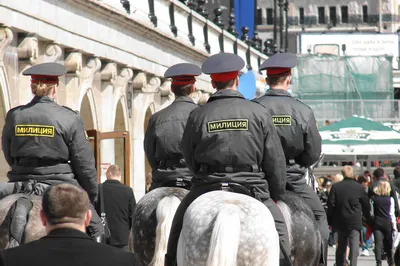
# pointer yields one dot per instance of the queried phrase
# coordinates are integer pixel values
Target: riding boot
(323, 261)
(169, 261)
(100, 239)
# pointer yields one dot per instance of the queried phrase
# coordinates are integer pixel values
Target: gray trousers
(94, 229)
(351, 238)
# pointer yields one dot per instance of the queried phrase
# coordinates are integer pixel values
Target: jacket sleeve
(331, 205)
(82, 160)
(274, 162)
(6, 139)
(188, 144)
(150, 144)
(393, 194)
(366, 207)
(370, 192)
(312, 143)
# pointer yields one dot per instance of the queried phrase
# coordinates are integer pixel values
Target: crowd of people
(362, 211)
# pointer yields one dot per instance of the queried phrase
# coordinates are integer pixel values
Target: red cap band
(227, 76)
(44, 79)
(183, 80)
(278, 71)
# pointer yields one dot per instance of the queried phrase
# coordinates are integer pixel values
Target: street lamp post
(275, 21)
(287, 25)
(281, 25)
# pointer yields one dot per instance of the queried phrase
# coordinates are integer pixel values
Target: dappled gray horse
(305, 238)
(152, 222)
(34, 228)
(224, 228)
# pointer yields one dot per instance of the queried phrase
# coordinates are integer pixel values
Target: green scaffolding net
(336, 87)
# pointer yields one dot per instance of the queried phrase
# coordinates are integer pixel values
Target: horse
(34, 228)
(225, 228)
(152, 222)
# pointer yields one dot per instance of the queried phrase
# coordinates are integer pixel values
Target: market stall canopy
(359, 136)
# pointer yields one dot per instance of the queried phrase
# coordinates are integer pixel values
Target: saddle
(17, 217)
(178, 182)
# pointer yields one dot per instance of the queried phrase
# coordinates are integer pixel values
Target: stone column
(121, 86)
(144, 91)
(27, 56)
(6, 37)
(108, 75)
(73, 64)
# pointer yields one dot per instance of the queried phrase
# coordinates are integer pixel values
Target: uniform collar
(221, 94)
(277, 92)
(43, 99)
(183, 99)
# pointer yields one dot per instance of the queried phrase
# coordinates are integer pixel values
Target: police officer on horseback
(45, 143)
(165, 129)
(230, 143)
(298, 132)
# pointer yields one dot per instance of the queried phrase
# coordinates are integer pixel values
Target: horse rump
(152, 222)
(302, 228)
(226, 228)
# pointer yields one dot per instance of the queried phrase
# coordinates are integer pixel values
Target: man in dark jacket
(379, 175)
(230, 139)
(396, 180)
(119, 205)
(165, 129)
(45, 143)
(347, 203)
(65, 215)
(298, 132)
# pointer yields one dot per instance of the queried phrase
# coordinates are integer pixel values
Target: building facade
(116, 53)
(327, 16)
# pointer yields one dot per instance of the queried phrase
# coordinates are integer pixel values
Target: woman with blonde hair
(384, 221)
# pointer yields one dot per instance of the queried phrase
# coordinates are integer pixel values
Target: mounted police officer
(45, 143)
(231, 140)
(298, 132)
(165, 129)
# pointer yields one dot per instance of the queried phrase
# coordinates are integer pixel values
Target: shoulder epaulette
(75, 111)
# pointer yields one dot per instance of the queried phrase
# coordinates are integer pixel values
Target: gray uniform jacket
(162, 140)
(231, 138)
(297, 129)
(45, 141)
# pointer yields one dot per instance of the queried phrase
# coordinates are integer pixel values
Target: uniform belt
(177, 163)
(290, 162)
(30, 162)
(229, 168)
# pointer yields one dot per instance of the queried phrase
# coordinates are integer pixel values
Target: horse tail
(165, 214)
(225, 237)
